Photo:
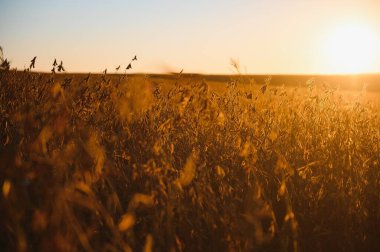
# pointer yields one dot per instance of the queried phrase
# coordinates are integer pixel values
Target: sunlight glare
(351, 48)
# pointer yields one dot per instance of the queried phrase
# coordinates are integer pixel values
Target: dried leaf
(188, 172)
(148, 247)
(140, 199)
(127, 221)
(6, 188)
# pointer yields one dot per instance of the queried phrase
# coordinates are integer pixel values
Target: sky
(265, 37)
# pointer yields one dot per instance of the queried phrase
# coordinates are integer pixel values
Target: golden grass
(130, 164)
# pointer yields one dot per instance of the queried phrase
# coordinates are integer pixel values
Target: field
(187, 163)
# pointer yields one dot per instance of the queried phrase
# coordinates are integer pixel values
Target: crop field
(185, 163)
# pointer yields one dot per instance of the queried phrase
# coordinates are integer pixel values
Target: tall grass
(126, 164)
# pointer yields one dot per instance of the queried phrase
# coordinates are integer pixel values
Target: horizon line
(208, 74)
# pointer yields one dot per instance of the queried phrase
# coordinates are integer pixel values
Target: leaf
(220, 171)
(282, 189)
(6, 188)
(127, 222)
(188, 172)
(289, 216)
(140, 199)
(84, 188)
(43, 138)
(148, 243)
(245, 150)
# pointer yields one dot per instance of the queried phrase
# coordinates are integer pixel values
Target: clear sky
(271, 36)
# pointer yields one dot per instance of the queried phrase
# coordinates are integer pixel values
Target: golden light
(351, 48)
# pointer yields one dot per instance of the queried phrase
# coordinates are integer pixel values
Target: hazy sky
(271, 36)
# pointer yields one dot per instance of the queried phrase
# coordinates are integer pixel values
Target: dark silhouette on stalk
(54, 65)
(60, 67)
(5, 65)
(105, 71)
(117, 68)
(130, 63)
(33, 62)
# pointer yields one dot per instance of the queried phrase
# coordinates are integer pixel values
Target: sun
(351, 48)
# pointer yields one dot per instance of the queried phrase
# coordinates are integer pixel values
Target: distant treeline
(351, 82)
(344, 82)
